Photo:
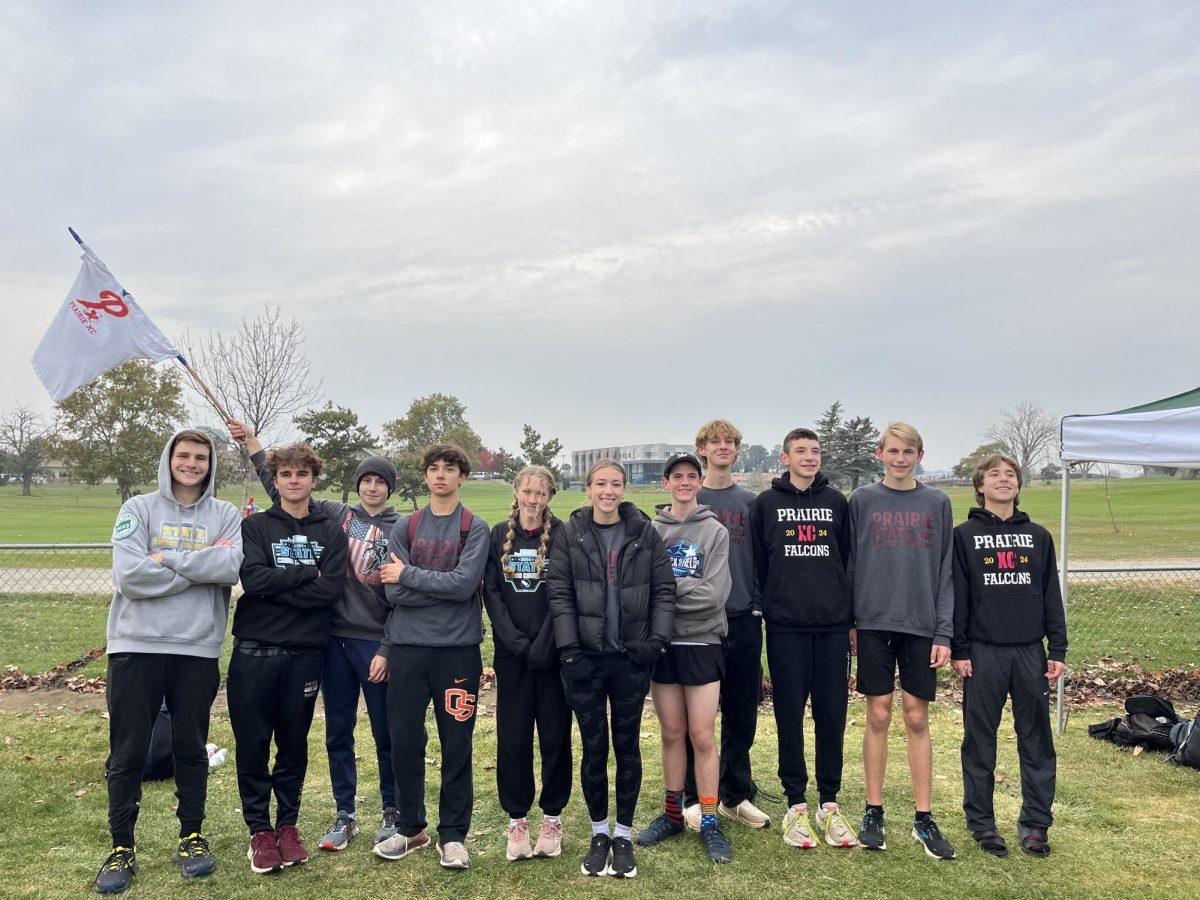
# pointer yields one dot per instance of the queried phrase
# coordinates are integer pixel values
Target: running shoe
(797, 832)
(116, 875)
(339, 833)
(193, 856)
(931, 838)
(837, 830)
(658, 831)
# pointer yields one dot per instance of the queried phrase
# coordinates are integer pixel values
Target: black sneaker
(194, 858)
(658, 831)
(623, 864)
(871, 834)
(596, 861)
(926, 831)
(116, 875)
(717, 845)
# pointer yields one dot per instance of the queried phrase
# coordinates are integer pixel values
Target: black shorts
(690, 664)
(879, 652)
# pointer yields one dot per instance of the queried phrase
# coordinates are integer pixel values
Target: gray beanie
(377, 465)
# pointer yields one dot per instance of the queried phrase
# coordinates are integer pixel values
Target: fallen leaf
(81, 792)
(1139, 750)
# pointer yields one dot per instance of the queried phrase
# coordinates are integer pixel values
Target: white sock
(623, 831)
(553, 820)
(600, 827)
(512, 822)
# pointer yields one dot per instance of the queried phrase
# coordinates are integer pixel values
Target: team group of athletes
(588, 616)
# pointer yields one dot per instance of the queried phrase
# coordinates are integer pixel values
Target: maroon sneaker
(291, 848)
(264, 853)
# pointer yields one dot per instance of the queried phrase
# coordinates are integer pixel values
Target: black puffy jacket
(576, 583)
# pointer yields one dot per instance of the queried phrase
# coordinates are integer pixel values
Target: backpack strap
(464, 528)
(412, 528)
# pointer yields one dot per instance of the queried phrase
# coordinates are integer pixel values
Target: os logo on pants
(460, 703)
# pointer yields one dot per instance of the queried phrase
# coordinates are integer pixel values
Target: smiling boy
(176, 553)
(717, 446)
(435, 627)
(1006, 603)
(293, 574)
(356, 654)
(801, 534)
(901, 571)
(686, 682)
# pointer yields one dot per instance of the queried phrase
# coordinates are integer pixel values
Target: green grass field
(1122, 823)
(1157, 518)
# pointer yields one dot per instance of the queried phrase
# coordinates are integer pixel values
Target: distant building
(643, 462)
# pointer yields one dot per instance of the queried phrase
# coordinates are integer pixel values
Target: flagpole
(208, 394)
(216, 404)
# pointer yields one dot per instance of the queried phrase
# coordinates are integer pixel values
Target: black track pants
(449, 677)
(527, 697)
(997, 672)
(137, 686)
(272, 697)
(808, 665)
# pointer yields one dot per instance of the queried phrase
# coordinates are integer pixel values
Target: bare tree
(260, 373)
(22, 439)
(1026, 431)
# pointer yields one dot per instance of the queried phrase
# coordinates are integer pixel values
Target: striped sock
(673, 806)
(708, 813)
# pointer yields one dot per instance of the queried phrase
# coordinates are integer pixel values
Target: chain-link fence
(1142, 621)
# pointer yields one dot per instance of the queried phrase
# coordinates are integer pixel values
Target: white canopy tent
(1162, 433)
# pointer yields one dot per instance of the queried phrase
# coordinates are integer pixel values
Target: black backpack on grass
(1186, 739)
(1147, 723)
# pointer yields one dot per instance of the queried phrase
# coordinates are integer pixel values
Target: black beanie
(377, 465)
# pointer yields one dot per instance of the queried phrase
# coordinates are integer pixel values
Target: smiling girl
(612, 598)
(529, 686)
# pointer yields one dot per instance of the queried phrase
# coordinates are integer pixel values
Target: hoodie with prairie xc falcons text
(801, 544)
(698, 547)
(293, 574)
(1006, 585)
(181, 604)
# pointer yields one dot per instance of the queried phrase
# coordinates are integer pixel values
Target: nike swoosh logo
(459, 680)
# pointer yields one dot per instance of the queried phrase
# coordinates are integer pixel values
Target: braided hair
(514, 515)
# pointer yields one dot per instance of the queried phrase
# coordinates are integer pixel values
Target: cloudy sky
(615, 220)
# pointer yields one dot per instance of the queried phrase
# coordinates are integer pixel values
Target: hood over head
(164, 463)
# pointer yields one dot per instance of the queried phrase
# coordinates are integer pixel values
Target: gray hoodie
(180, 605)
(698, 547)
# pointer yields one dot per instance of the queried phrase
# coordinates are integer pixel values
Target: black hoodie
(1006, 584)
(801, 544)
(518, 604)
(293, 572)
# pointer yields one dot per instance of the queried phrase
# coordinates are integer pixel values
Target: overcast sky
(615, 220)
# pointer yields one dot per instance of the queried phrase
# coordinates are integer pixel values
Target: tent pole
(1064, 556)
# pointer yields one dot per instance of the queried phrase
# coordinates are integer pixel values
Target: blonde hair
(989, 462)
(904, 432)
(543, 547)
(717, 428)
(605, 463)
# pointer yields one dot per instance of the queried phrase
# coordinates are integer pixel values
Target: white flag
(98, 327)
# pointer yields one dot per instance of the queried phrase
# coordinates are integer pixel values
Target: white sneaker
(745, 813)
(796, 830)
(454, 855)
(838, 832)
(691, 816)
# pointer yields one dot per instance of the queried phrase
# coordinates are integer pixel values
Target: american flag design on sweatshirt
(368, 548)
